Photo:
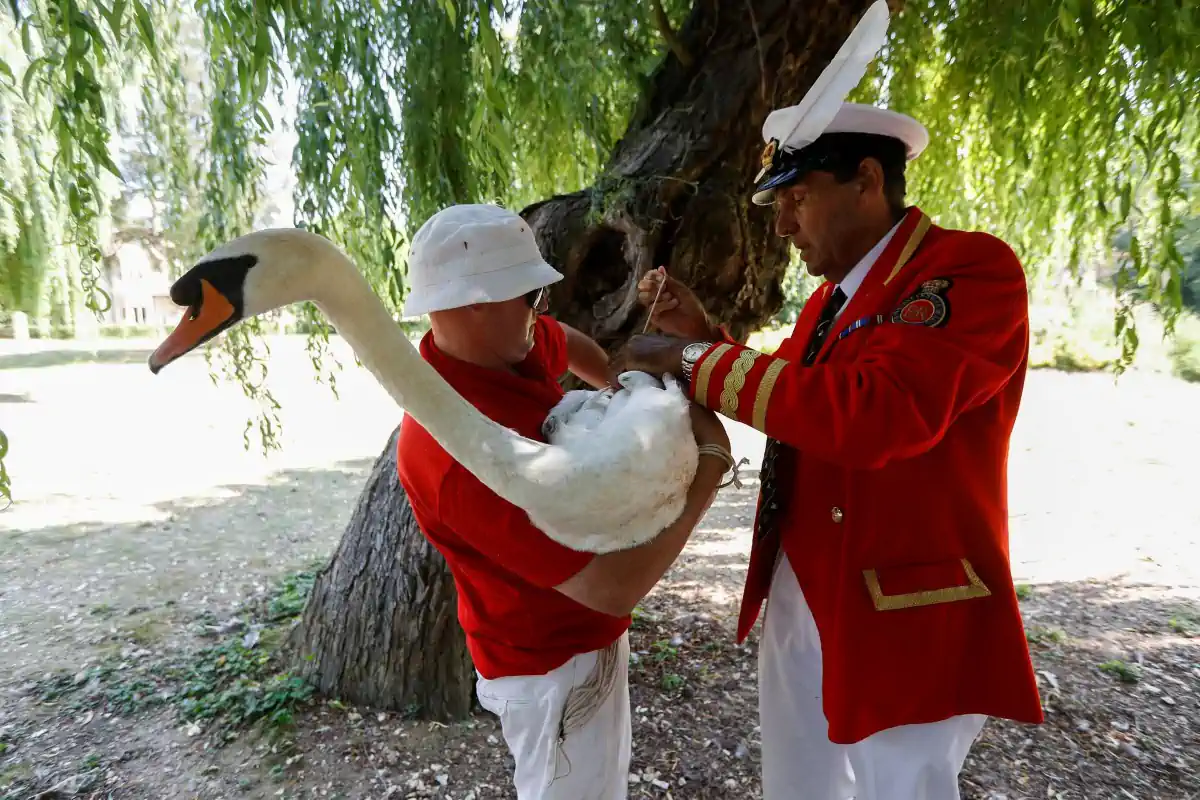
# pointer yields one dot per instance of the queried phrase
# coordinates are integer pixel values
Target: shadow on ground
(1118, 665)
(1119, 673)
(64, 589)
(66, 356)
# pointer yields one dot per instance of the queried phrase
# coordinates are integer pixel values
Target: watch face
(694, 351)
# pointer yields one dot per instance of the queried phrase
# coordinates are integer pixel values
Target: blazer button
(836, 514)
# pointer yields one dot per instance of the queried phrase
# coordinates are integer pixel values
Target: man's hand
(656, 355)
(678, 311)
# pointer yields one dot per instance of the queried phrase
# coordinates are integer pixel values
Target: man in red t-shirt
(541, 620)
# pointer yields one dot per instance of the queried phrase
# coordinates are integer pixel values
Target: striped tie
(769, 501)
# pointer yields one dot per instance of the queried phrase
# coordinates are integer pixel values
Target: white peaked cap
(467, 254)
(850, 118)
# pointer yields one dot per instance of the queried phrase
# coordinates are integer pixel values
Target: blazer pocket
(915, 585)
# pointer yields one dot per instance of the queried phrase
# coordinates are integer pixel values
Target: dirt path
(141, 519)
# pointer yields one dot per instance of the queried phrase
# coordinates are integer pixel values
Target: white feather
(593, 429)
(823, 99)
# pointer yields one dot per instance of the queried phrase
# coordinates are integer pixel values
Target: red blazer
(893, 480)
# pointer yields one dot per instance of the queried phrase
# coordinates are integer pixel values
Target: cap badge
(767, 158)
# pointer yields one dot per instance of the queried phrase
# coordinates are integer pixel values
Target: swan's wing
(637, 463)
(561, 414)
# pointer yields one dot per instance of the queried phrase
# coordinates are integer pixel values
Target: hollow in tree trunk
(380, 627)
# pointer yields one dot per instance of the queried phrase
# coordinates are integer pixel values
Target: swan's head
(248, 276)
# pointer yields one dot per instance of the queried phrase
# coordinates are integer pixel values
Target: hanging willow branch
(1055, 125)
(241, 70)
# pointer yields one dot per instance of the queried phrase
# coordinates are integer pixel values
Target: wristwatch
(692, 354)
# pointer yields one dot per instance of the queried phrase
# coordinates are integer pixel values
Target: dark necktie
(769, 502)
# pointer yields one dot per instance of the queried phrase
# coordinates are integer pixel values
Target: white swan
(619, 464)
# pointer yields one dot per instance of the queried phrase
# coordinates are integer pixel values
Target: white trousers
(591, 763)
(910, 762)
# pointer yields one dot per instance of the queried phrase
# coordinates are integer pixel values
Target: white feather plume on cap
(824, 110)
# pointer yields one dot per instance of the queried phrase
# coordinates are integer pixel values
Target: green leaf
(30, 72)
(116, 18)
(1068, 22)
(145, 25)
(6, 71)
(100, 156)
(26, 37)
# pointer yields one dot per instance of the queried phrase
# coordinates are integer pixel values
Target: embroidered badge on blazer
(928, 306)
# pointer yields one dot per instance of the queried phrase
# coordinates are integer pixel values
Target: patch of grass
(10, 774)
(135, 693)
(102, 610)
(662, 651)
(1067, 356)
(1037, 634)
(637, 618)
(236, 683)
(289, 598)
(1122, 670)
(147, 631)
(1185, 623)
(1185, 351)
(672, 681)
(1024, 591)
(240, 686)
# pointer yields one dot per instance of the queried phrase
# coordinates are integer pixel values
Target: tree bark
(380, 627)
(676, 191)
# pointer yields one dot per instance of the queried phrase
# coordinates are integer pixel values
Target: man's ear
(870, 176)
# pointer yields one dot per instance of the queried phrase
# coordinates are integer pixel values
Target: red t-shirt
(503, 567)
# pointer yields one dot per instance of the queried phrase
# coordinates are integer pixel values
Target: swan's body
(618, 467)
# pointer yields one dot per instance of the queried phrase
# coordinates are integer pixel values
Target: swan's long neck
(511, 465)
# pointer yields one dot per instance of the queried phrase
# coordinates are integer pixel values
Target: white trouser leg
(914, 762)
(798, 760)
(911, 762)
(593, 762)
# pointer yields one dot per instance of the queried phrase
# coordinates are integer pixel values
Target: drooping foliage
(1054, 125)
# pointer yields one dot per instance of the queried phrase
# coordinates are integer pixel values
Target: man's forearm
(613, 583)
(585, 358)
(648, 562)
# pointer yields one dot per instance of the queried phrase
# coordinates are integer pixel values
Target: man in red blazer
(881, 537)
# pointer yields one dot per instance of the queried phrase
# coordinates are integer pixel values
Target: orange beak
(197, 326)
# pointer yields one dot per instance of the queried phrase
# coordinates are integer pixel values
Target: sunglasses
(536, 297)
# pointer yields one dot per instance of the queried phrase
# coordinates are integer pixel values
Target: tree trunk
(381, 628)
(676, 191)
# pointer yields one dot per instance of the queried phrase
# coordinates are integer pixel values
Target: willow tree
(629, 132)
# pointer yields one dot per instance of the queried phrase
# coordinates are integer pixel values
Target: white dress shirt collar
(851, 283)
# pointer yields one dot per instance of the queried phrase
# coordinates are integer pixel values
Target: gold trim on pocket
(952, 594)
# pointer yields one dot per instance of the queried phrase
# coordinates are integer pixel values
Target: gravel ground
(141, 520)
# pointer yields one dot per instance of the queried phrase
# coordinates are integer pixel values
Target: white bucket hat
(473, 253)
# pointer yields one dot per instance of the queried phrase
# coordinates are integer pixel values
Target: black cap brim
(831, 151)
